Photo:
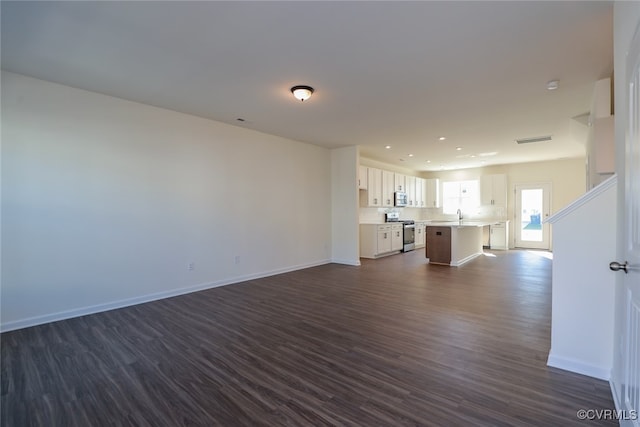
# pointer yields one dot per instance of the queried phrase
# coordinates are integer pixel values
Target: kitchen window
(463, 195)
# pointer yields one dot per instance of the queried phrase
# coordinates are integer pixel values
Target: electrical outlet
(191, 266)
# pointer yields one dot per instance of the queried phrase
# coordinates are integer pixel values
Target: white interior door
(533, 205)
(626, 378)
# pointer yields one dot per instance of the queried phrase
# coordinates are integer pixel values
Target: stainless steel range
(408, 231)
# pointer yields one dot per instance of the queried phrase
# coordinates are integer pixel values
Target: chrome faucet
(459, 215)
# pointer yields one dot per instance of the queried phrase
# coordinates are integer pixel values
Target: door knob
(616, 266)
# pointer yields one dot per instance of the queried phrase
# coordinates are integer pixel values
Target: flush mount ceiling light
(552, 84)
(302, 93)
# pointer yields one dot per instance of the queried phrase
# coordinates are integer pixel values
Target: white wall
(105, 202)
(344, 210)
(583, 286)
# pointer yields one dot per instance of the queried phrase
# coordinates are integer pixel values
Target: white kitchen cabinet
(374, 187)
(420, 190)
(432, 193)
(400, 182)
(376, 240)
(381, 186)
(493, 190)
(499, 236)
(388, 180)
(384, 240)
(420, 239)
(397, 239)
(410, 184)
(362, 177)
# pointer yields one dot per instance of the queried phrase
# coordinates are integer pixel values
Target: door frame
(546, 212)
(625, 378)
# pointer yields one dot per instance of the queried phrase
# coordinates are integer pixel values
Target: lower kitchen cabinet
(397, 239)
(380, 239)
(499, 236)
(439, 245)
(421, 238)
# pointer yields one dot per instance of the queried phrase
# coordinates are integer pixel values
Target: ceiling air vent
(536, 139)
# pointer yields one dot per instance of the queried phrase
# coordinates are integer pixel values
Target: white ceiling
(385, 73)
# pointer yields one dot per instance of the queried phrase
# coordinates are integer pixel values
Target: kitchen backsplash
(483, 212)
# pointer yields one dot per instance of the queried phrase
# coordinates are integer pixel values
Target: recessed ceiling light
(410, 155)
(387, 146)
(458, 148)
(473, 155)
(442, 138)
(552, 84)
(428, 161)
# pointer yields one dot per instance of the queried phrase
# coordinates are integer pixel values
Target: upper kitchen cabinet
(410, 184)
(420, 190)
(400, 182)
(381, 186)
(374, 187)
(388, 183)
(362, 177)
(493, 190)
(432, 193)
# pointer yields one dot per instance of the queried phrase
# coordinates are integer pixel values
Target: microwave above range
(400, 199)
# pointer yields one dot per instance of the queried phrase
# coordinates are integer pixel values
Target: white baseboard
(83, 311)
(465, 260)
(579, 367)
(347, 262)
(616, 396)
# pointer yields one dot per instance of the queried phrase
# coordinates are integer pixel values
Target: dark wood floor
(394, 342)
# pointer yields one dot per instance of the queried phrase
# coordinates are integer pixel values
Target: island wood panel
(439, 245)
(394, 342)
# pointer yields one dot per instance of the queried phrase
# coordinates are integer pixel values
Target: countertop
(436, 223)
(462, 223)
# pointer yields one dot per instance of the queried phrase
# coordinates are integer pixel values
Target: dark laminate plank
(394, 342)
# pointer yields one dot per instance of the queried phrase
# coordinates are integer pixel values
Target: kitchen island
(454, 243)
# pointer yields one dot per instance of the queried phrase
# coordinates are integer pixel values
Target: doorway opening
(533, 204)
